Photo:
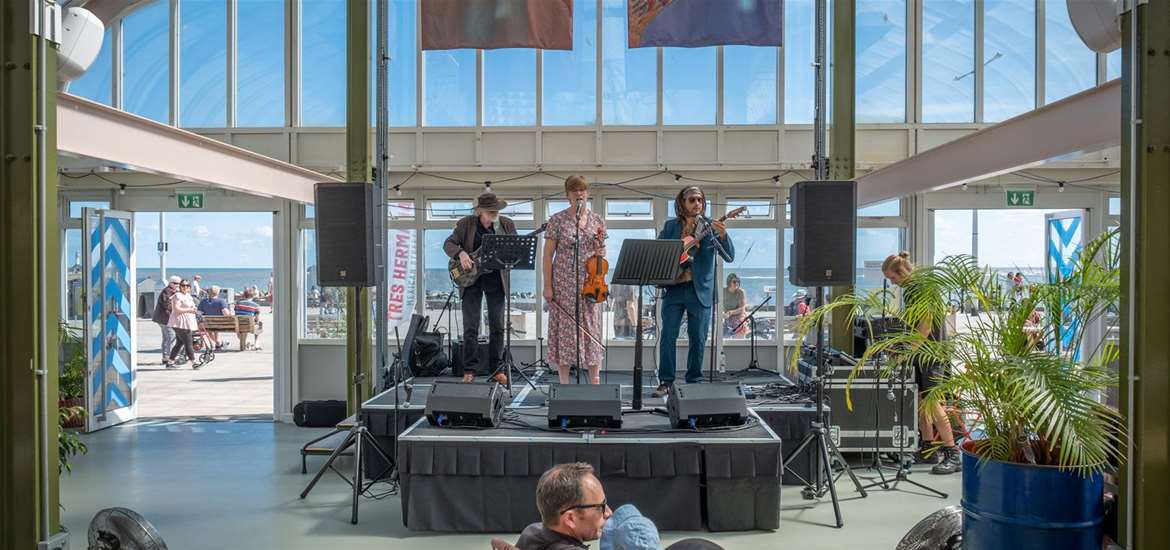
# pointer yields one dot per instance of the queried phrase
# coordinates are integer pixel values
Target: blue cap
(628, 529)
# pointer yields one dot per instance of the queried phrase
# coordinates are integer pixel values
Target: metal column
(29, 289)
(842, 136)
(1145, 268)
(357, 168)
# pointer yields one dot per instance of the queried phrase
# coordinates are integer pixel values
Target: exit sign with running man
(1021, 199)
(190, 200)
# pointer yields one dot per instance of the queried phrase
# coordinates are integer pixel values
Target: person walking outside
(185, 323)
(162, 316)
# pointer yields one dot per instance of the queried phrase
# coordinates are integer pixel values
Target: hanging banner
(697, 23)
(492, 24)
(400, 274)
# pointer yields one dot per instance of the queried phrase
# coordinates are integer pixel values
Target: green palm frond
(1035, 404)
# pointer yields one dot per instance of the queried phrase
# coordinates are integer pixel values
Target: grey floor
(235, 484)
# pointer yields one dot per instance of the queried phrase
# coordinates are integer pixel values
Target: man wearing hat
(162, 314)
(691, 293)
(465, 239)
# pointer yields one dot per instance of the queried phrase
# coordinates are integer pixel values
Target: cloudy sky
(206, 239)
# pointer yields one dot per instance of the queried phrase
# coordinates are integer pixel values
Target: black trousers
(491, 287)
(183, 341)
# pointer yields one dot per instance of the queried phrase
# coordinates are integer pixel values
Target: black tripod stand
(823, 479)
(902, 470)
(753, 362)
(358, 438)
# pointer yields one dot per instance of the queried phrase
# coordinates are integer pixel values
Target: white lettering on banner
(400, 301)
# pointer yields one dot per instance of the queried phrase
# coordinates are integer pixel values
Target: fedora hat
(489, 202)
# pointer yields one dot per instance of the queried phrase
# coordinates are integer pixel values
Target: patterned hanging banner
(697, 23)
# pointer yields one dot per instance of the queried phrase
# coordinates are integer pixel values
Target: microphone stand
(714, 294)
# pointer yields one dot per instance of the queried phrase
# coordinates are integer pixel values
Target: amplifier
(579, 405)
(464, 404)
(703, 405)
(839, 367)
(875, 408)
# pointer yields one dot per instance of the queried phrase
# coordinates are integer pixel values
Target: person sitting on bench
(249, 307)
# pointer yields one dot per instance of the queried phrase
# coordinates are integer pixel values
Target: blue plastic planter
(1021, 506)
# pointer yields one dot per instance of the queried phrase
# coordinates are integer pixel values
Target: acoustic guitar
(467, 277)
(701, 233)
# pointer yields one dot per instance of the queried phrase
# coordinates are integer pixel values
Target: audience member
(247, 306)
(214, 305)
(573, 510)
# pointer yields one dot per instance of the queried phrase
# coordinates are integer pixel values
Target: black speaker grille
(824, 221)
(345, 234)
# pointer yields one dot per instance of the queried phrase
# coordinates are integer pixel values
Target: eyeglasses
(184, 285)
(694, 199)
(599, 506)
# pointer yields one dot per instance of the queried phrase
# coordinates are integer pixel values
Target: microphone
(580, 203)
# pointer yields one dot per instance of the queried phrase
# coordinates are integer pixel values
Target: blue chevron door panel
(1063, 241)
(109, 328)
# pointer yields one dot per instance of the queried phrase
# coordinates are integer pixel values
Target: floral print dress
(562, 342)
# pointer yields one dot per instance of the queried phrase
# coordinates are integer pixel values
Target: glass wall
(629, 86)
(146, 61)
(457, 85)
(881, 61)
(1069, 65)
(322, 51)
(569, 87)
(1009, 58)
(948, 61)
(97, 84)
(203, 63)
(260, 70)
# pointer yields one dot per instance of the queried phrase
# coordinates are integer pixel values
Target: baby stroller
(203, 344)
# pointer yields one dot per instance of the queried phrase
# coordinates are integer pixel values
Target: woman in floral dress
(562, 285)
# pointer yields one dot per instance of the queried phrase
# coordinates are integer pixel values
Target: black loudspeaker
(824, 222)
(703, 405)
(463, 404)
(345, 234)
(585, 405)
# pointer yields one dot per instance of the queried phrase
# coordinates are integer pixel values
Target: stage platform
(458, 479)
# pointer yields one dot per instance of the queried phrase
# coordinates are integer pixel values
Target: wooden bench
(243, 325)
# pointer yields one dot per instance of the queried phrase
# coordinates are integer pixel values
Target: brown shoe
(469, 377)
(662, 390)
(500, 379)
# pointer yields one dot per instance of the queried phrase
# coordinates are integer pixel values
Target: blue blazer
(703, 262)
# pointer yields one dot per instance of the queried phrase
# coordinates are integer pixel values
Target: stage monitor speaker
(585, 405)
(463, 404)
(824, 223)
(704, 405)
(345, 234)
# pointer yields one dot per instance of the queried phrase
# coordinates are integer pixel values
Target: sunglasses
(599, 506)
(185, 284)
(694, 199)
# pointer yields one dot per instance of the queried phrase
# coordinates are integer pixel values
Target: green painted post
(842, 137)
(21, 318)
(357, 168)
(1145, 313)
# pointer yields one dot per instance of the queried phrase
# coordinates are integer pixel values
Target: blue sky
(206, 239)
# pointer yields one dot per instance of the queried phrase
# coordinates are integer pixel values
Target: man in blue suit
(692, 291)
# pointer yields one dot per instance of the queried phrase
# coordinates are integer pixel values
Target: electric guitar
(467, 277)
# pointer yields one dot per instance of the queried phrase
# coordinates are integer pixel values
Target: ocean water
(237, 278)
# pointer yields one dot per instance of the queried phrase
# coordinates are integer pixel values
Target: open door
(1063, 241)
(110, 333)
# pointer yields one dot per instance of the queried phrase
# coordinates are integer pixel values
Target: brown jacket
(463, 238)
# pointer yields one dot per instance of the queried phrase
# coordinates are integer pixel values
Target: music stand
(509, 252)
(644, 262)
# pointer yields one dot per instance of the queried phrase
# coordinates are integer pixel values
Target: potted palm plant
(1026, 373)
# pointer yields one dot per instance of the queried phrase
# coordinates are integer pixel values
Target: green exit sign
(1021, 199)
(190, 200)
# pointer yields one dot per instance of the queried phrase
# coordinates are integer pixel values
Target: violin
(596, 267)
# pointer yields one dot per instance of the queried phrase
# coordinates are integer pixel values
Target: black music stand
(644, 262)
(509, 252)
